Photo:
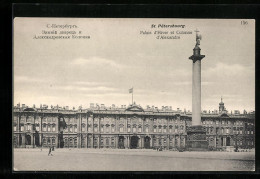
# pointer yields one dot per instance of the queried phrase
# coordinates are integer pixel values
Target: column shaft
(196, 93)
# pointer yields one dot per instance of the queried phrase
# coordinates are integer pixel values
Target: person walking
(49, 151)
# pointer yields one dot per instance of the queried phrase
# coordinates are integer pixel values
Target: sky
(101, 70)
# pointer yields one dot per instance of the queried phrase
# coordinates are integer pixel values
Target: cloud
(96, 61)
(25, 79)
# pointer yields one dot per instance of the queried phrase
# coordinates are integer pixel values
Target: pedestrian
(49, 151)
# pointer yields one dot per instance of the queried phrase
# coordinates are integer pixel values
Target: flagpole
(132, 95)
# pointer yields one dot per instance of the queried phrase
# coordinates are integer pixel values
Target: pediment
(135, 108)
(224, 115)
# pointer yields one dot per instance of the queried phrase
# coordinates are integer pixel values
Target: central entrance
(121, 142)
(147, 142)
(134, 142)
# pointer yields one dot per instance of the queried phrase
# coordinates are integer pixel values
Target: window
(44, 127)
(204, 122)
(160, 121)
(95, 128)
(134, 129)
(146, 129)
(176, 121)
(102, 128)
(140, 129)
(222, 131)
(54, 119)
(112, 141)
(121, 129)
(37, 127)
(49, 119)
(154, 129)
(53, 141)
(89, 128)
(53, 127)
(164, 129)
(160, 129)
(49, 128)
(113, 128)
(71, 128)
(217, 122)
(107, 141)
(29, 127)
(222, 122)
(75, 120)
(49, 141)
(227, 130)
(170, 129)
(107, 128)
(14, 127)
(83, 127)
(129, 128)
(211, 122)
(75, 128)
(252, 132)
(102, 119)
(96, 119)
(140, 120)
(89, 119)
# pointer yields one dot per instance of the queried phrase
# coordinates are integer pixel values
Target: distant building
(131, 127)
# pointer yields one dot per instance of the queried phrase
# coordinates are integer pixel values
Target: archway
(228, 141)
(134, 142)
(147, 142)
(121, 142)
(20, 140)
(37, 139)
(28, 140)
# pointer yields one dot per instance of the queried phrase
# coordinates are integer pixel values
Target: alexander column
(196, 133)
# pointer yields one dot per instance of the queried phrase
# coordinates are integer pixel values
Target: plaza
(130, 160)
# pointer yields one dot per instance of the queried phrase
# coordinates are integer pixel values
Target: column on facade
(23, 140)
(184, 141)
(128, 142)
(18, 129)
(142, 141)
(33, 140)
(125, 125)
(173, 141)
(98, 141)
(79, 138)
(116, 141)
(92, 141)
(87, 141)
(125, 141)
(167, 141)
(151, 142)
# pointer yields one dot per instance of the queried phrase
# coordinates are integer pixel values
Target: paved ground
(131, 160)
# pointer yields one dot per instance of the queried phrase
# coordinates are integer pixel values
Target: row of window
(222, 122)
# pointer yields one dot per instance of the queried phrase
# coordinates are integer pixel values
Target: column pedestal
(196, 138)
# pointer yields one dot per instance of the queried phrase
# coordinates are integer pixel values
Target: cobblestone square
(130, 160)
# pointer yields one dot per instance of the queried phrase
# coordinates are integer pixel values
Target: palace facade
(126, 127)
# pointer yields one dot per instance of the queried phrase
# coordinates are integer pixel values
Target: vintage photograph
(133, 94)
